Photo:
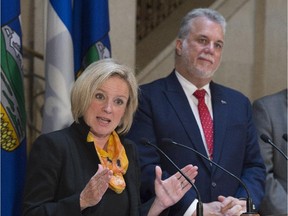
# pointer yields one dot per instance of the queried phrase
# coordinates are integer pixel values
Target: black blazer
(60, 165)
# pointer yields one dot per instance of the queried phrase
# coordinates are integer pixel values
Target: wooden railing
(157, 24)
(150, 13)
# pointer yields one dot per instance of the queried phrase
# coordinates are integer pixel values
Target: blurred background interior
(143, 33)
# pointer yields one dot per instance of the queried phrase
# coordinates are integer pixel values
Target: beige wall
(122, 30)
(255, 54)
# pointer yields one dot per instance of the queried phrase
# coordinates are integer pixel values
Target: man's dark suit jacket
(61, 164)
(164, 112)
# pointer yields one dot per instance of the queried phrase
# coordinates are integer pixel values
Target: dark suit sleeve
(43, 170)
(144, 127)
(253, 174)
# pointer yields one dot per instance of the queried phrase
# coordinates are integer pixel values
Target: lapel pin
(223, 102)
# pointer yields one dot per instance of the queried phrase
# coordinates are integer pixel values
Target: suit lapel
(177, 98)
(220, 106)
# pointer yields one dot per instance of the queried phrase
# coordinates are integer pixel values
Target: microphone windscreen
(166, 140)
(265, 138)
(144, 141)
(285, 137)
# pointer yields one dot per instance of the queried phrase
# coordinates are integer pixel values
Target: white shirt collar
(189, 87)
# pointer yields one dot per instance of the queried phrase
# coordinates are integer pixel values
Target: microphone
(199, 209)
(285, 137)
(266, 139)
(249, 205)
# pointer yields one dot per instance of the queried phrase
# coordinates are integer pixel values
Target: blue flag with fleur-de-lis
(77, 34)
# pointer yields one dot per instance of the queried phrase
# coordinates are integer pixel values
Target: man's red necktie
(206, 120)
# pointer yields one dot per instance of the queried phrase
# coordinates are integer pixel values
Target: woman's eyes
(99, 96)
(117, 101)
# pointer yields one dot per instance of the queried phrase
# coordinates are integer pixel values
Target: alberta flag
(13, 122)
(77, 34)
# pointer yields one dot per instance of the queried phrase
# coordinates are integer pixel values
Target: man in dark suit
(270, 114)
(168, 109)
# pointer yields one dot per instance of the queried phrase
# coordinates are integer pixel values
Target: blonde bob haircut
(92, 78)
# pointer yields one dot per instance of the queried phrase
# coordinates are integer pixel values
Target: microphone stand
(266, 139)
(199, 208)
(249, 205)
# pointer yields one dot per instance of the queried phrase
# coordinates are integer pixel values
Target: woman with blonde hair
(89, 168)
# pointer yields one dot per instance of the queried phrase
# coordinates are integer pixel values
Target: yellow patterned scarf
(115, 159)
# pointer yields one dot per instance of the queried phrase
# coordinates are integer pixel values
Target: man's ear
(179, 44)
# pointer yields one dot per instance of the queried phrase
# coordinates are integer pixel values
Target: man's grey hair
(213, 15)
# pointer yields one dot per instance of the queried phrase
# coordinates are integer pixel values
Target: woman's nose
(108, 107)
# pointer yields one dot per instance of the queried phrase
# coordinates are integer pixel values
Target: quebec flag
(12, 112)
(76, 35)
